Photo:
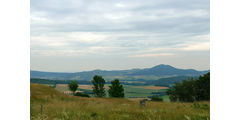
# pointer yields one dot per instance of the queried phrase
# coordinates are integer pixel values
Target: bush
(81, 94)
(156, 99)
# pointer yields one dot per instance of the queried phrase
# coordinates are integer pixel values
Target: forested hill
(153, 73)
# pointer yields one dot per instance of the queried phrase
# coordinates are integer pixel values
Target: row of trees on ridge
(115, 89)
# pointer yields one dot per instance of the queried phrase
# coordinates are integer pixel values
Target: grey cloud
(91, 15)
(126, 28)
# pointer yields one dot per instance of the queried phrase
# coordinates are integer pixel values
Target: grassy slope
(63, 107)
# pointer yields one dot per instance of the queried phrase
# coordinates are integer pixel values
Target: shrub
(156, 99)
(81, 94)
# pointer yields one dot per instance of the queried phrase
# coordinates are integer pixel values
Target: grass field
(129, 90)
(135, 91)
(58, 106)
(153, 87)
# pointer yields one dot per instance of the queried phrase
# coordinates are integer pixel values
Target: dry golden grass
(137, 99)
(57, 106)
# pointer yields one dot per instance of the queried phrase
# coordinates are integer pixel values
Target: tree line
(98, 82)
(191, 90)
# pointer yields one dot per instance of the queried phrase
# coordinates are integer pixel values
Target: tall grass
(64, 107)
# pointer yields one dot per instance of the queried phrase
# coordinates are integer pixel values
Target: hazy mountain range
(154, 73)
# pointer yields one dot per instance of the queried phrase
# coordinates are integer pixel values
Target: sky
(83, 35)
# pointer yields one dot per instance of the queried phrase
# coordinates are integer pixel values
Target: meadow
(58, 106)
(130, 91)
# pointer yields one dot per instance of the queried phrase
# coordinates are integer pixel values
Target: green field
(129, 90)
(134, 91)
(58, 106)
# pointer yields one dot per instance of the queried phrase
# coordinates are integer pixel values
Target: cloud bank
(121, 33)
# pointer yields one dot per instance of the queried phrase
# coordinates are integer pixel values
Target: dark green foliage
(182, 91)
(156, 99)
(94, 114)
(73, 85)
(86, 91)
(169, 80)
(98, 86)
(172, 94)
(116, 89)
(203, 87)
(191, 90)
(81, 94)
(42, 81)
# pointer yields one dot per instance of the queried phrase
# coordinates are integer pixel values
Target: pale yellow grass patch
(69, 92)
(88, 87)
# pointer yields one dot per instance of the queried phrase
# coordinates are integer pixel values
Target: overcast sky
(81, 35)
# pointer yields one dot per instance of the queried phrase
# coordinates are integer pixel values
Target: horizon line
(120, 69)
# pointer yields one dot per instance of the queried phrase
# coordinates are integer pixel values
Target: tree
(73, 85)
(203, 87)
(172, 94)
(116, 89)
(182, 91)
(191, 90)
(98, 86)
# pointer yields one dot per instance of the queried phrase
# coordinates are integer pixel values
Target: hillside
(56, 105)
(153, 73)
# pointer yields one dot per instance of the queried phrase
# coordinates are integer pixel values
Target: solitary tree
(98, 86)
(116, 89)
(73, 85)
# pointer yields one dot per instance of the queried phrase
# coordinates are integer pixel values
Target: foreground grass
(57, 106)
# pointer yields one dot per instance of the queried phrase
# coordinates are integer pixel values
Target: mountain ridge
(157, 71)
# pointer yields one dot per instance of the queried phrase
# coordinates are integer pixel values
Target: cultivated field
(58, 106)
(153, 87)
(63, 87)
(129, 90)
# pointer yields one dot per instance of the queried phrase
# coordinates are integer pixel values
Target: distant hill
(153, 73)
(160, 70)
